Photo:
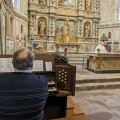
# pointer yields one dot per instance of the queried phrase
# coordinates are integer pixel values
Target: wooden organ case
(61, 83)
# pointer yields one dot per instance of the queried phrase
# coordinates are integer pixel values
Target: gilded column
(13, 33)
(7, 24)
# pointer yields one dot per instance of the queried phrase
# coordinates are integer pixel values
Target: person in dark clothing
(22, 93)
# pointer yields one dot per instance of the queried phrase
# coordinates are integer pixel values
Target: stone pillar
(51, 27)
(32, 25)
(22, 6)
(95, 28)
(96, 6)
(13, 27)
(81, 4)
(8, 24)
(80, 28)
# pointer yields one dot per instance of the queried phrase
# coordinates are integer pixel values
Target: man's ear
(32, 65)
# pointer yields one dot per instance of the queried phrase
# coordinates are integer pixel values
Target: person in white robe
(101, 47)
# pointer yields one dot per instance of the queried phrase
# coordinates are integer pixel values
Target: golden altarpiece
(56, 24)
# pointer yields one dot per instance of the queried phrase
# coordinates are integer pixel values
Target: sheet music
(2, 64)
(9, 65)
(37, 65)
(48, 66)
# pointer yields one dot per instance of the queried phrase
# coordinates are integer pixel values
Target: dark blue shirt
(22, 96)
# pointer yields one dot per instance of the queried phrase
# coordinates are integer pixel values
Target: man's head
(102, 43)
(23, 59)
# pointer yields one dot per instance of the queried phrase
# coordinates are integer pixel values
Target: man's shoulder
(42, 77)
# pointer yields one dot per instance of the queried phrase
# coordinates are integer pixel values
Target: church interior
(70, 30)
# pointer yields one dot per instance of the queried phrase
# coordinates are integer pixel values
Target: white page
(48, 66)
(37, 65)
(9, 65)
(2, 64)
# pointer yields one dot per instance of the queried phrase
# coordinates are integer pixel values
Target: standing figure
(42, 26)
(87, 30)
(101, 48)
(42, 2)
(87, 4)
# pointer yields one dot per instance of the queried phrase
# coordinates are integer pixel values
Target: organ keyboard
(52, 90)
(51, 82)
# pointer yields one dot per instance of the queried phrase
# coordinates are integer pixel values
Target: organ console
(61, 83)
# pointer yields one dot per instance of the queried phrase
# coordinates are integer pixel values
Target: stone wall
(109, 24)
(14, 26)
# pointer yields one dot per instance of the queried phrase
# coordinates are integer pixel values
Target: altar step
(73, 109)
(77, 59)
(96, 84)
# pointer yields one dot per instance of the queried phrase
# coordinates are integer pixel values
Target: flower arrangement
(39, 46)
(29, 46)
(98, 50)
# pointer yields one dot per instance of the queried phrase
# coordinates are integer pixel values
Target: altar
(104, 62)
(58, 45)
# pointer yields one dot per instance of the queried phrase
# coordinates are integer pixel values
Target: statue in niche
(87, 4)
(109, 35)
(42, 26)
(87, 30)
(42, 2)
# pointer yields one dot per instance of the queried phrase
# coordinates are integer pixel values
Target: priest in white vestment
(101, 47)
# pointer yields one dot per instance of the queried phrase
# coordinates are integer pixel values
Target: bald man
(22, 94)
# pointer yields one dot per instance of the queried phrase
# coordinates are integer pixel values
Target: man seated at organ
(22, 93)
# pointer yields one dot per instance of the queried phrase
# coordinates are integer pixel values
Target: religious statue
(87, 4)
(42, 26)
(42, 2)
(87, 30)
(66, 33)
(65, 29)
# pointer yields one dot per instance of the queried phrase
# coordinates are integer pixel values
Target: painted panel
(67, 3)
(65, 31)
(59, 24)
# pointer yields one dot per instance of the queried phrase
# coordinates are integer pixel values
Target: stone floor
(99, 104)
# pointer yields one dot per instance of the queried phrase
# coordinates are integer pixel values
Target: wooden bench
(73, 112)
